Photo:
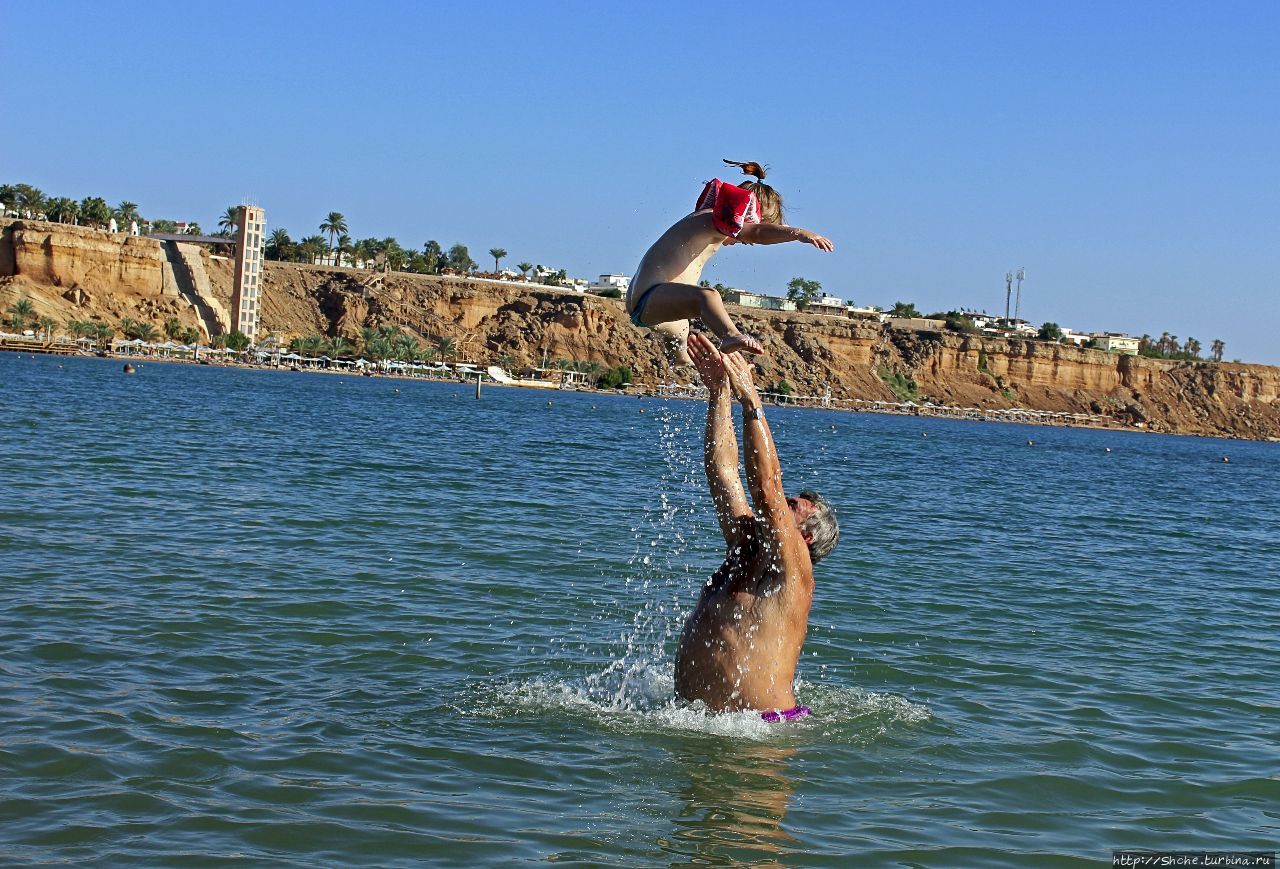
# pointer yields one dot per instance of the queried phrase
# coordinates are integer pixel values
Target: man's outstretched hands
(707, 359)
(740, 373)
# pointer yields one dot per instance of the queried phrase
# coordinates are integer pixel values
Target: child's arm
(777, 233)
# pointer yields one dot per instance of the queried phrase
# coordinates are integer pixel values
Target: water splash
(631, 689)
(640, 699)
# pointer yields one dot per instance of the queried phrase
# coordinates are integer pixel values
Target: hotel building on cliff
(246, 295)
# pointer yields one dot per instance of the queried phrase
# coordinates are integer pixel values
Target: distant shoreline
(1015, 416)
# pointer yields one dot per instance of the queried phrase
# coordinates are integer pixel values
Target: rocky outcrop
(55, 255)
(71, 273)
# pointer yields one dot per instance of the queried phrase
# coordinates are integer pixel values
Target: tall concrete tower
(246, 297)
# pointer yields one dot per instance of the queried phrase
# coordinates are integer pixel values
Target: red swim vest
(731, 207)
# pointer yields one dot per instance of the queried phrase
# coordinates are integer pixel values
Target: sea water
(269, 618)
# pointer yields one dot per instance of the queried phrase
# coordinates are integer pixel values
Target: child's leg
(675, 340)
(669, 302)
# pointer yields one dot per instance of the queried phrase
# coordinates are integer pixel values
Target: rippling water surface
(262, 618)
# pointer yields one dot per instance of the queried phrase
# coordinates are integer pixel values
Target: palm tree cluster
(1167, 347)
(26, 201)
(384, 342)
(339, 248)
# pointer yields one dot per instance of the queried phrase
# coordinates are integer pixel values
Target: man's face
(801, 508)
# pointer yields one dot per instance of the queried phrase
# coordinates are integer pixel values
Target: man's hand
(741, 382)
(706, 358)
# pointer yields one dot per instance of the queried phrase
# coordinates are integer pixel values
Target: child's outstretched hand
(821, 242)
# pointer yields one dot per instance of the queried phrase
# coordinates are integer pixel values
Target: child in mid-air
(664, 293)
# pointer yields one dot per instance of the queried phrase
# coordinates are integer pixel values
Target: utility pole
(1008, 291)
(1022, 273)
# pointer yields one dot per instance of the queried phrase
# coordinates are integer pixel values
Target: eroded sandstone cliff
(74, 273)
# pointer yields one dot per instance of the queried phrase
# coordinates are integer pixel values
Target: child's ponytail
(769, 199)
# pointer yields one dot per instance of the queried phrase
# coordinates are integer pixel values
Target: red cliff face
(74, 273)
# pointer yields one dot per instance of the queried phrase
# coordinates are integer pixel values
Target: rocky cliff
(75, 273)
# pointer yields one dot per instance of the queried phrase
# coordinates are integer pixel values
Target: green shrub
(615, 378)
(903, 387)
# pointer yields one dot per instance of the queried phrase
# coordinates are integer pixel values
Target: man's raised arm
(764, 473)
(720, 442)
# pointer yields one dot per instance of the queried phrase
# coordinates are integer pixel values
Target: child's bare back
(664, 294)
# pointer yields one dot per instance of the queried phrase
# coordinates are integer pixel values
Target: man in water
(740, 646)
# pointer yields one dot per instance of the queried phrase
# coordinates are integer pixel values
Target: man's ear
(808, 537)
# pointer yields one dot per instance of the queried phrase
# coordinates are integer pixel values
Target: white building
(981, 319)
(611, 282)
(758, 300)
(246, 292)
(826, 304)
(1117, 342)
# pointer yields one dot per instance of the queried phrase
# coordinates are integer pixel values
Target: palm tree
(497, 253)
(8, 198)
(278, 244)
(313, 247)
(80, 328)
(433, 254)
(46, 326)
(230, 219)
(364, 251)
(62, 209)
(190, 335)
(405, 348)
(446, 348)
(1191, 348)
(29, 201)
(524, 270)
(335, 224)
(1218, 348)
(127, 213)
(21, 311)
(173, 328)
(194, 229)
(103, 333)
(396, 255)
(127, 325)
(340, 347)
(345, 247)
(145, 331)
(95, 210)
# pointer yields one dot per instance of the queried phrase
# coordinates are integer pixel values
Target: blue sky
(1124, 153)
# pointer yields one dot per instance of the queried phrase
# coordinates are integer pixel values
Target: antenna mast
(1022, 273)
(1008, 290)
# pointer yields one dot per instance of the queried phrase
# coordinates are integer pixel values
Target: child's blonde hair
(770, 200)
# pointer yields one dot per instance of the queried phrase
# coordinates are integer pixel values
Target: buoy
(593, 407)
(642, 410)
(548, 402)
(924, 434)
(397, 389)
(1031, 443)
(1108, 449)
(1225, 459)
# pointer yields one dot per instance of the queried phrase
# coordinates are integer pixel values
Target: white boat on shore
(497, 375)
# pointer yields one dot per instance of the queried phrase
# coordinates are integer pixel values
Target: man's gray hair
(821, 526)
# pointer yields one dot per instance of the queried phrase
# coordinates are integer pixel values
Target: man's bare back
(741, 644)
